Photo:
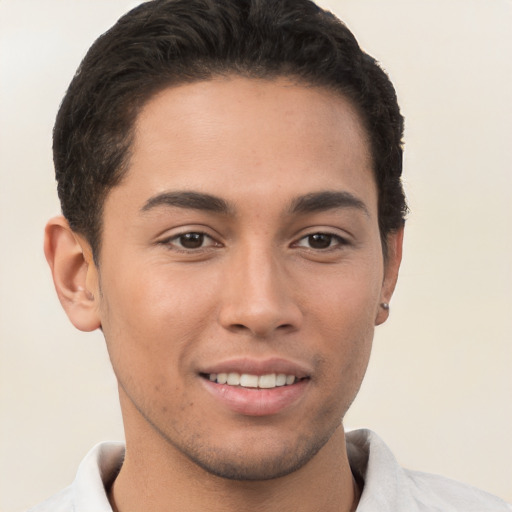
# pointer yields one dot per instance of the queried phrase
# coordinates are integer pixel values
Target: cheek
(152, 320)
(341, 313)
(344, 297)
(155, 297)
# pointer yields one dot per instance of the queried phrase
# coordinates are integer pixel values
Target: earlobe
(74, 274)
(391, 268)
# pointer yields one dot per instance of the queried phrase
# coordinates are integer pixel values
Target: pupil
(192, 240)
(320, 241)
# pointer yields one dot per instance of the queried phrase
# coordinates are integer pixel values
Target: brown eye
(191, 240)
(320, 241)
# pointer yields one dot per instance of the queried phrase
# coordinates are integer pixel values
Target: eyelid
(341, 241)
(169, 240)
(341, 234)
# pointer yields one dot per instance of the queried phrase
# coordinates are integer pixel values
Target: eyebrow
(327, 200)
(188, 200)
(309, 203)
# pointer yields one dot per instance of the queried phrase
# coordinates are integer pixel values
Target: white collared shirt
(387, 486)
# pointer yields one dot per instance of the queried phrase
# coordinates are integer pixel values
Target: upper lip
(259, 367)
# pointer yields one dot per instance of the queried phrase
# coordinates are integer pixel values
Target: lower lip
(256, 401)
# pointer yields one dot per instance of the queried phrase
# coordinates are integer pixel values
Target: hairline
(155, 89)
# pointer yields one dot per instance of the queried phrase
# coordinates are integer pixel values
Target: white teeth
(233, 379)
(267, 381)
(280, 379)
(247, 380)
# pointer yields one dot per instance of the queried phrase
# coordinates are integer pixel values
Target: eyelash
(171, 242)
(329, 238)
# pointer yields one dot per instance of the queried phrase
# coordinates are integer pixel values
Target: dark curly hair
(167, 42)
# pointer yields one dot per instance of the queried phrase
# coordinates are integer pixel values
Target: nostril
(242, 327)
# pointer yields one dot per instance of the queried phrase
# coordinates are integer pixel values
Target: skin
(255, 286)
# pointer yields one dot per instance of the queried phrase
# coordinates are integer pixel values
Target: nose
(258, 296)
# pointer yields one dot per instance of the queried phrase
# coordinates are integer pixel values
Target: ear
(391, 267)
(74, 274)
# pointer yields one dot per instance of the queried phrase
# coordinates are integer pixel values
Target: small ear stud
(384, 306)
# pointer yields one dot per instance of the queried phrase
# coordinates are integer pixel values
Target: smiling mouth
(247, 380)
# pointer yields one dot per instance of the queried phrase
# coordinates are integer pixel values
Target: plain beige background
(439, 386)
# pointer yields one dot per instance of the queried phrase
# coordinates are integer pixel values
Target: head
(166, 43)
(230, 173)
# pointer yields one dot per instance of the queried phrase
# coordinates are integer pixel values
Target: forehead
(239, 137)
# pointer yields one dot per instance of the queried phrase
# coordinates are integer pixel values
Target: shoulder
(88, 492)
(389, 487)
(450, 495)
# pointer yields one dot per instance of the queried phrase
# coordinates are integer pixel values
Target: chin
(264, 468)
(259, 461)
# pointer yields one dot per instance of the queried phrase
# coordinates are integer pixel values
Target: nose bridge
(257, 295)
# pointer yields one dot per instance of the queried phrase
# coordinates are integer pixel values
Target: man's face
(243, 244)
